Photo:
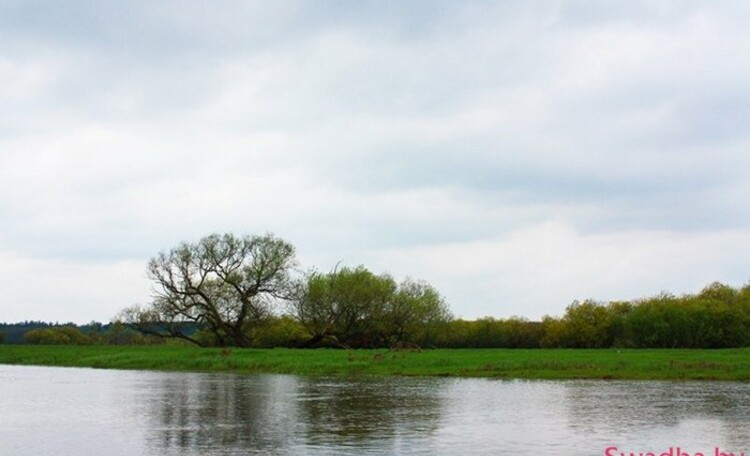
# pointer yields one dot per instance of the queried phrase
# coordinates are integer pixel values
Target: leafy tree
(647, 326)
(618, 315)
(587, 325)
(456, 335)
(718, 291)
(416, 313)
(554, 330)
(521, 333)
(223, 283)
(354, 307)
(342, 306)
(486, 333)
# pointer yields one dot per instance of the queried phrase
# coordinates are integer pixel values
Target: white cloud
(404, 137)
(541, 268)
(68, 290)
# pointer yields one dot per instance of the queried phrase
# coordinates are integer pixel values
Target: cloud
(539, 269)
(359, 130)
(68, 290)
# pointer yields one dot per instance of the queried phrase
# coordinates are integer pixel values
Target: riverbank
(727, 364)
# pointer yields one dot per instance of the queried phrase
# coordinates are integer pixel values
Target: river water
(63, 411)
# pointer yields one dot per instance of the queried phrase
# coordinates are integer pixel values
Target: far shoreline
(542, 364)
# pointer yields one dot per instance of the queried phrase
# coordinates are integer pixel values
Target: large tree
(354, 307)
(223, 284)
(341, 306)
(416, 313)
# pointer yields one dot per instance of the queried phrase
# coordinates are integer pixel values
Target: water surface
(83, 411)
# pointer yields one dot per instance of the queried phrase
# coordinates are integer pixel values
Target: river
(66, 411)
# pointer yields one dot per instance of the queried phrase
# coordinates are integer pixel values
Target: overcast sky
(517, 155)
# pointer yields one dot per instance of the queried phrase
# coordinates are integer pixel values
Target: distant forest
(39, 332)
(13, 333)
(716, 317)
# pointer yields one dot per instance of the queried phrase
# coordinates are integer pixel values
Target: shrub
(62, 335)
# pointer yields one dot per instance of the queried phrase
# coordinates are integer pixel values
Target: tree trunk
(313, 341)
(241, 339)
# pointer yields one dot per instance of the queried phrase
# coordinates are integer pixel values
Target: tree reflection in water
(209, 411)
(384, 412)
(705, 414)
(86, 411)
(203, 413)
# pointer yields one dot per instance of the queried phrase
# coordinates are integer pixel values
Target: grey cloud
(359, 127)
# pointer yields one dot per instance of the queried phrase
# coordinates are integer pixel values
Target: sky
(516, 155)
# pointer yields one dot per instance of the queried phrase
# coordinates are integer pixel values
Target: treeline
(240, 291)
(12, 333)
(15, 333)
(94, 333)
(235, 287)
(716, 317)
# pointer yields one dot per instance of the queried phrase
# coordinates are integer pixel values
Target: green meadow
(635, 364)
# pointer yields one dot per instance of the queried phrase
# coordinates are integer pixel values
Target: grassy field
(731, 364)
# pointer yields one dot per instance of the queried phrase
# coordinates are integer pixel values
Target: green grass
(730, 364)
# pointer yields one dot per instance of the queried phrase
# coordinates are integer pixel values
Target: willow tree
(342, 306)
(223, 284)
(354, 307)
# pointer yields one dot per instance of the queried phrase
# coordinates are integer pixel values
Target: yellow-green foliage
(717, 317)
(282, 331)
(62, 335)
